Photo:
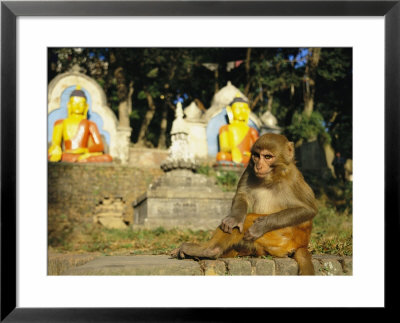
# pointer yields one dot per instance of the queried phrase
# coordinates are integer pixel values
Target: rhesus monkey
(271, 212)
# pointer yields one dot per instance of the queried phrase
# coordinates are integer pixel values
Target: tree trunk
(162, 141)
(216, 76)
(270, 101)
(309, 81)
(329, 155)
(309, 104)
(125, 108)
(248, 57)
(255, 101)
(147, 119)
(124, 94)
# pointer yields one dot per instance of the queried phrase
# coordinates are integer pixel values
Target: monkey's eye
(268, 156)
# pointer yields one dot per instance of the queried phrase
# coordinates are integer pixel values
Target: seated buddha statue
(76, 139)
(236, 138)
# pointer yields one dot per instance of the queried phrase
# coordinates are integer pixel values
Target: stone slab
(165, 265)
(238, 267)
(193, 213)
(264, 267)
(137, 265)
(347, 265)
(214, 267)
(330, 265)
(317, 268)
(286, 266)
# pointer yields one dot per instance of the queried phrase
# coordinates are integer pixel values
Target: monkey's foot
(181, 252)
(176, 253)
(192, 250)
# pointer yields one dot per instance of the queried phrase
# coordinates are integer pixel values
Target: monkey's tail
(303, 258)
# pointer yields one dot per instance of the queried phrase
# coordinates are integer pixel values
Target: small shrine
(204, 126)
(269, 123)
(196, 128)
(217, 116)
(181, 198)
(180, 155)
(114, 138)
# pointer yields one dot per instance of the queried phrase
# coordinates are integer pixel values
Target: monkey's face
(262, 160)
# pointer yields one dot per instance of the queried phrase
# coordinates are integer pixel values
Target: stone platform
(182, 199)
(165, 265)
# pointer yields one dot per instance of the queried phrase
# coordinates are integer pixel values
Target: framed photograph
(29, 28)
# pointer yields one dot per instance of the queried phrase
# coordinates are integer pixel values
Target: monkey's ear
(290, 151)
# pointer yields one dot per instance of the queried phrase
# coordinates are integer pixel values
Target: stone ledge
(325, 265)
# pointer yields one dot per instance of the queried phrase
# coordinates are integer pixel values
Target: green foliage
(273, 78)
(134, 115)
(227, 180)
(335, 194)
(308, 128)
(153, 73)
(335, 64)
(348, 195)
(159, 231)
(141, 95)
(205, 170)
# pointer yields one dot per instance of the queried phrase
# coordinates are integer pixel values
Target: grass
(332, 234)
(141, 241)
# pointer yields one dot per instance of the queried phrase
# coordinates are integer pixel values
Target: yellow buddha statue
(237, 138)
(79, 137)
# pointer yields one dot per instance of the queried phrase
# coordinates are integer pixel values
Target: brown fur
(281, 206)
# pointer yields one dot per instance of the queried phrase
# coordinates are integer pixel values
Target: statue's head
(238, 110)
(77, 104)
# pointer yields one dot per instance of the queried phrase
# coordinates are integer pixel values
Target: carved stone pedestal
(182, 199)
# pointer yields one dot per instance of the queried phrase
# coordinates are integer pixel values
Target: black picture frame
(10, 10)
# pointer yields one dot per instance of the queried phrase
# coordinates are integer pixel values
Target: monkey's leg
(303, 258)
(282, 242)
(214, 248)
(196, 250)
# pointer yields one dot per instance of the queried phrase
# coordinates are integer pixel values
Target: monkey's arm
(237, 215)
(285, 218)
(239, 207)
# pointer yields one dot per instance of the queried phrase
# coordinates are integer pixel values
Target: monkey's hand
(232, 221)
(257, 229)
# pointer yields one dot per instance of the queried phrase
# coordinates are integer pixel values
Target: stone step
(165, 265)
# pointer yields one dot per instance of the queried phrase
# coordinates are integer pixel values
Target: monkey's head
(271, 155)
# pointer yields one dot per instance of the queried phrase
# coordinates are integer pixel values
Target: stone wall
(324, 265)
(75, 189)
(147, 157)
